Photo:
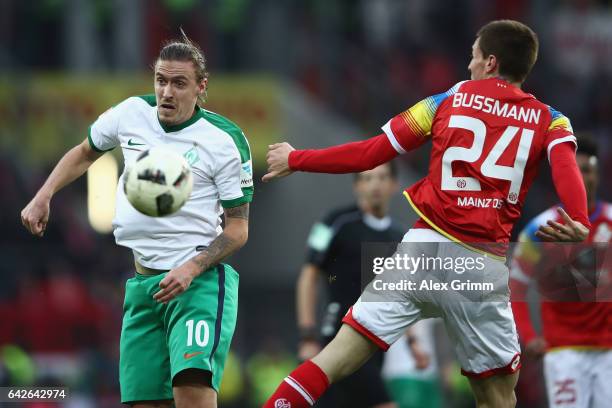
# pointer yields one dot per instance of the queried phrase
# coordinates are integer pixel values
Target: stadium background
(313, 73)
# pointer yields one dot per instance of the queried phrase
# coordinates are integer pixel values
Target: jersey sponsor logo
(131, 143)
(246, 174)
(187, 356)
(191, 156)
(480, 202)
(495, 107)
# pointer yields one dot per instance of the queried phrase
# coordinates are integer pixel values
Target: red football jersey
(488, 139)
(567, 323)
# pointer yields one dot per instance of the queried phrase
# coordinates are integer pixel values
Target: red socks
(300, 389)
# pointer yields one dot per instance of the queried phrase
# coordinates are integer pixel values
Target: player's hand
(308, 349)
(422, 359)
(535, 348)
(571, 231)
(35, 215)
(278, 161)
(175, 282)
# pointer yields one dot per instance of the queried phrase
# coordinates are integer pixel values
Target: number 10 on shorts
(202, 333)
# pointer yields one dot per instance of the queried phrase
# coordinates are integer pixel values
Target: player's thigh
(496, 391)
(477, 315)
(567, 379)
(602, 391)
(144, 364)
(388, 304)
(201, 323)
(484, 338)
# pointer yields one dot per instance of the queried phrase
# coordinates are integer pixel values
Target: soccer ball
(158, 183)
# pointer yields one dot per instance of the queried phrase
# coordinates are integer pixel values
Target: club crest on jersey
(192, 156)
(282, 403)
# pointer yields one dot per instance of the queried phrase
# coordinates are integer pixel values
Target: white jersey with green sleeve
(220, 158)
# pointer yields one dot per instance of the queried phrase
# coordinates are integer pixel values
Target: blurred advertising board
(45, 114)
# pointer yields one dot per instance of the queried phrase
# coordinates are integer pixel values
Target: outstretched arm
(353, 157)
(73, 165)
(404, 132)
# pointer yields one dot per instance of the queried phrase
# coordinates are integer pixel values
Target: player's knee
(192, 389)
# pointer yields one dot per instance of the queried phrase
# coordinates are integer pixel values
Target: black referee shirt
(334, 245)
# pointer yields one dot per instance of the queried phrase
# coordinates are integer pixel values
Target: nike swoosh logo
(187, 356)
(130, 143)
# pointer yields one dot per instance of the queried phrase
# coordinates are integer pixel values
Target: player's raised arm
(71, 166)
(103, 136)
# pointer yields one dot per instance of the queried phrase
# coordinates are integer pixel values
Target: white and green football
(159, 182)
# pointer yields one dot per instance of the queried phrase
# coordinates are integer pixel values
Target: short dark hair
(392, 170)
(587, 145)
(185, 50)
(514, 45)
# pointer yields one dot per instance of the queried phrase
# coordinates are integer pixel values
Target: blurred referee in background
(334, 251)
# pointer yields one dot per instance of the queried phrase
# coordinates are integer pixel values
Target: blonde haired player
(180, 308)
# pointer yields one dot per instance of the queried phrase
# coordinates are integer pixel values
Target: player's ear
(492, 64)
(202, 86)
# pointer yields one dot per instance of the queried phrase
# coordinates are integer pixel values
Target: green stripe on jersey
(242, 145)
(245, 199)
(216, 120)
(231, 129)
(150, 99)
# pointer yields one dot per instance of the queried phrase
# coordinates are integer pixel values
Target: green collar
(197, 114)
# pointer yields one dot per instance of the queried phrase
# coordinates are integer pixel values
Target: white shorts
(578, 378)
(479, 323)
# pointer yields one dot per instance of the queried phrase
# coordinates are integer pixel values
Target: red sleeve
(520, 306)
(346, 158)
(568, 182)
(521, 273)
(520, 309)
